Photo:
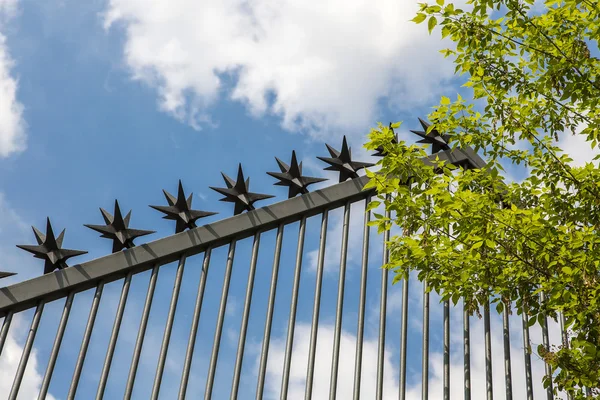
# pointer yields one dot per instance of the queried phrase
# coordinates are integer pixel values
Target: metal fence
(285, 219)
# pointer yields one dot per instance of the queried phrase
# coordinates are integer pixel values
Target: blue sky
(104, 100)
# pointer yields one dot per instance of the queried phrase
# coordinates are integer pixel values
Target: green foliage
(470, 233)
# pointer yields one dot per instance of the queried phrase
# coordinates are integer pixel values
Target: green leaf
(431, 24)
(419, 18)
(477, 245)
(373, 205)
(499, 307)
(445, 100)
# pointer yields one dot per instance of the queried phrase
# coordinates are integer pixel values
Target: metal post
(382, 314)
(467, 352)
(527, 355)
(403, 338)
(425, 360)
(362, 302)
(287, 361)
(488, 352)
(446, 350)
(164, 348)
(507, 363)
(237, 372)
(5, 328)
(340, 305)
(210, 380)
(139, 342)
(86, 341)
(56, 346)
(189, 353)
(317, 304)
(264, 354)
(546, 343)
(565, 340)
(113, 337)
(35, 323)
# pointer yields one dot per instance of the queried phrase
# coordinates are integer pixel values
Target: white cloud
(8, 7)
(326, 64)
(577, 147)
(12, 124)
(11, 355)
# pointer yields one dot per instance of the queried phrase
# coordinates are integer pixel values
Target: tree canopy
(475, 234)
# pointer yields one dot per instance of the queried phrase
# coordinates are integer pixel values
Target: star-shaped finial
(380, 152)
(117, 229)
(434, 138)
(291, 175)
(49, 249)
(180, 210)
(237, 192)
(6, 274)
(342, 162)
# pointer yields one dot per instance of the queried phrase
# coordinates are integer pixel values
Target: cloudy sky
(118, 99)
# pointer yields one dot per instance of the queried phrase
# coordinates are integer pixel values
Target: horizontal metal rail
(106, 269)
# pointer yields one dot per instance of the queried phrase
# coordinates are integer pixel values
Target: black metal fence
(358, 364)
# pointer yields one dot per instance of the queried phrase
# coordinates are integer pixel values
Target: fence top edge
(27, 294)
(52, 286)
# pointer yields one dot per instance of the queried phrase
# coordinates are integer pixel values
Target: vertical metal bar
(546, 343)
(403, 338)
(287, 361)
(237, 372)
(489, 385)
(527, 355)
(35, 323)
(340, 305)
(187, 364)
(507, 363)
(5, 327)
(164, 347)
(563, 331)
(139, 342)
(446, 350)
(425, 359)
(87, 334)
(467, 352)
(264, 354)
(316, 307)
(210, 380)
(362, 302)
(382, 314)
(113, 337)
(565, 340)
(56, 346)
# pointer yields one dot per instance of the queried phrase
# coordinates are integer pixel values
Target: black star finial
(49, 249)
(380, 152)
(292, 176)
(180, 210)
(434, 138)
(342, 162)
(237, 192)
(117, 229)
(6, 274)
